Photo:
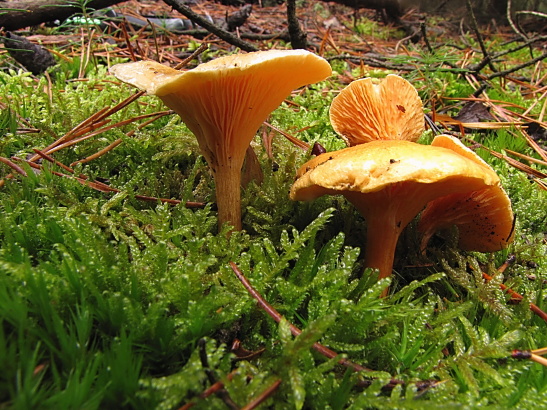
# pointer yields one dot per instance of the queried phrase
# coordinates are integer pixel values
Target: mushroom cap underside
(290, 68)
(484, 219)
(377, 165)
(365, 111)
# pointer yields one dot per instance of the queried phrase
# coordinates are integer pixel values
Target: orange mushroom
(366, 111)
(224, 102)
(484, 218)
(389, 182)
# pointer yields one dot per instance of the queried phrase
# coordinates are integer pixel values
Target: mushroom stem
(228, 193)
(386, 217)
(382, 237)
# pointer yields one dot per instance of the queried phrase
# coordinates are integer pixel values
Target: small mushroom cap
(484, 218)
(366, 111)
(378, 165)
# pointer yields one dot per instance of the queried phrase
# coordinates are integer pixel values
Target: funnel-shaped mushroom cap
(484, 217)
(224, 102)
(389, 182)
(366, 111)
(228, 98)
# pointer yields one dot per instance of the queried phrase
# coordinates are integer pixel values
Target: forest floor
(117, 289)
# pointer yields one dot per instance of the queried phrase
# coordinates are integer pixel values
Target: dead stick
(230, 38)
(479, 37)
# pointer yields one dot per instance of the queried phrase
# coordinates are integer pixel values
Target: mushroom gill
(366, 111)
(484, 217)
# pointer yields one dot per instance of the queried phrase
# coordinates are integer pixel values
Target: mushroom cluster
(390, 178)
(224, 102)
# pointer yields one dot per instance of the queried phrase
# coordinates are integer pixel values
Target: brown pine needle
(538, 359)
(99, 153)
(210, 390)
(263, 396)
(53, 160)
(13, 166)
(541, 351)
(300, 144)
(204, 46)
(517, 164)
(533, 355)
(526, 157)
(534, 308)
(541, 184)
(541, 152)
(275, 315)
(96, 132)
(102, 187)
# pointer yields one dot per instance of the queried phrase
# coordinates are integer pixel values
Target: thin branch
(475, 27)
(517, 68)
(512, 23)
(298, 37)
(507, 72)
(230, 38)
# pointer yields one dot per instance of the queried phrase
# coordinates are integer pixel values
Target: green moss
(107, 301)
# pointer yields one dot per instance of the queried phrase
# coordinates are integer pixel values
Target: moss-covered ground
(109, 301)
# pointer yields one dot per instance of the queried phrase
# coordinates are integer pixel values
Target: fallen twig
(230, 38)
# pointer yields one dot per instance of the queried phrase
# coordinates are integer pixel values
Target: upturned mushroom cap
(224, 102)
(366, 111)
(227, 99)
(389, 182)
(484, 218)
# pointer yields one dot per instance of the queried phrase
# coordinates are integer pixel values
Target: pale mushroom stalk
(228, 193)
(224, 102)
